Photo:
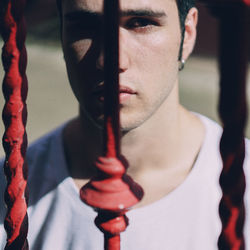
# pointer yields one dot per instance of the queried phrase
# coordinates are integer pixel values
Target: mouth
(125, 93)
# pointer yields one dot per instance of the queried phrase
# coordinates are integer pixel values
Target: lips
(125, 92)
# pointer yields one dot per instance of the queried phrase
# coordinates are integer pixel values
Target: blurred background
(50, 100)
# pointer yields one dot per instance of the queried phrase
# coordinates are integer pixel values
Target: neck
(166, 145)
(159, 137)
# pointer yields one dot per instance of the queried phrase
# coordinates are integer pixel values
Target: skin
(152, 120)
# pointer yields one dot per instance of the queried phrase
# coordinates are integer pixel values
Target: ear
(190, 32)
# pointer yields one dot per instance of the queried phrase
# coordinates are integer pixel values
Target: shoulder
(212, 127)
(210, 147)
(247, 171)
(247, 153)
(43, 150)
(214, 133)
(46, 164)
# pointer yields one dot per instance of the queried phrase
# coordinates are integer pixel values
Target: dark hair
(183, 7)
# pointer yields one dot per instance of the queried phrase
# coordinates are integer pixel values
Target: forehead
(97, 5)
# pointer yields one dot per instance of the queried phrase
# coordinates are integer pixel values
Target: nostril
(100, 62)
(120, 70)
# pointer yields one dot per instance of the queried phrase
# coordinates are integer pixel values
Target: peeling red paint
(14, 116)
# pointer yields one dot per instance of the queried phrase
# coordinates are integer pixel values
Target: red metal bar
(233, 112)
(14, 116)
(111, 192)
(233, 17)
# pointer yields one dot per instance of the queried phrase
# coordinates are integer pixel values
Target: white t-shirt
(185, 219)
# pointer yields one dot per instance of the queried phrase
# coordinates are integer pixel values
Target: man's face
(149, 46)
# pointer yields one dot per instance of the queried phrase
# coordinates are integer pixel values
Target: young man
(173, 153)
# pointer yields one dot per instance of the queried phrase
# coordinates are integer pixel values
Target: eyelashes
(83, 28)
(140, 24)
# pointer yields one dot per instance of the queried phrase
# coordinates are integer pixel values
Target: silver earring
(181, 64)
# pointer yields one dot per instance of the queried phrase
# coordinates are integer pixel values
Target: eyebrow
(88, 14)
(143, 12)
(81, 14)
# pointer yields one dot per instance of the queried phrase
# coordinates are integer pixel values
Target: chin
(128, 120)
(128, 123)
(124, 126)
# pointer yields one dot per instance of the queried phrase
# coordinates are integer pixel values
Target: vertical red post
(12, 27)
(233, 17)
(233, 112)
(111, 192)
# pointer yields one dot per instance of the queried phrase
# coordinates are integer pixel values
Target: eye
(89, 27)
(83, 28)
(140, 24)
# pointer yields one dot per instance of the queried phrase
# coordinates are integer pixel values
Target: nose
(123, 55)
(124, 60)
(100, 61)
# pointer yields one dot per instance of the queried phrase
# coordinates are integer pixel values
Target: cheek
(76, 51)
(157, 59)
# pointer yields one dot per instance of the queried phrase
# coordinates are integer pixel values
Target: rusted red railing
(111, 192)
(233, 112)
(233, 18)
(14, 58)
